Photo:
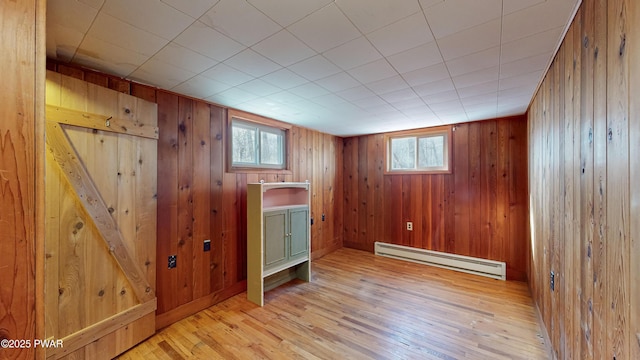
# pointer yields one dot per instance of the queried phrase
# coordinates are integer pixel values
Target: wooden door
(100, 228)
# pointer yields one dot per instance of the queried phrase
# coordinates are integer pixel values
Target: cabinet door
(299, 229)
(275, 238)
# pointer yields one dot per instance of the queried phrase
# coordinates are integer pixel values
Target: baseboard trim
(190, 308)
(320, 253)
(545, 335)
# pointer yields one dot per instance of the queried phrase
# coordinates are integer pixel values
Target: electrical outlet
(409, 226)
(173, 261)
(207, 245)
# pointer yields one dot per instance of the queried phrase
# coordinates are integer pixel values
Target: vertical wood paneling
(518, 200)
(618, 179)
(600, 178)
(462, 195)
(475, 192)
(587, 211)
(185, 201)
(593, 314)
(633, 39)
(201, 199)
(216, 191)
(456, 212)
(167, 281)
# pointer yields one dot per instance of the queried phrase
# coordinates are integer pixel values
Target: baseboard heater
(467, 264)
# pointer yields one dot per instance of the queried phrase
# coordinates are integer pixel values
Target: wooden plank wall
(21, 165)
(479, 210)
(198, 199)
(584, 142)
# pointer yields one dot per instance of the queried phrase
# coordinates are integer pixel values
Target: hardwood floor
(362, 306)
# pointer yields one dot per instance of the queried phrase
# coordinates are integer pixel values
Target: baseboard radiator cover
(467, 264)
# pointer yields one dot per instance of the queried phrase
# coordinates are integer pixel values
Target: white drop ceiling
(343, 67)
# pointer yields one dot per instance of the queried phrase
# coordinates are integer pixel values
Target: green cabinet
(286, 234)
(278, 236)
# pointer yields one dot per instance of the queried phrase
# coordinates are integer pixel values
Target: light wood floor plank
(361, 306)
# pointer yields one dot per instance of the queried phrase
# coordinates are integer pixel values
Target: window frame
(446, 131)
(264, 124)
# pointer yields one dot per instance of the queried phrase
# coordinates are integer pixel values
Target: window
(256, 145)
(419, 151)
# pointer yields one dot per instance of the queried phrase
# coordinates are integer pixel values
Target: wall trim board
(188, 309)
(544, 333)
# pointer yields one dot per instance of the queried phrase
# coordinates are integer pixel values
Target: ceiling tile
(62, 42)
(449, 107)
(314, 68)
(240, 21)
(419, 110)
(452, 16)
(474, 62)
(416, 58)
(259, 87)
(286, 12)
(521, 80)
(283, 48)
(473, 102)
(369, 15)
(390, 84)
(98, 54)
(150, 15)
(328, 100)
(200, 87)
(285, 97)
(206, 41)
(425, 4)
(353, 53)
(476, 77)
(373, 71)
(252, 63)
(162, 75)
(369, 102)
(434, 87)
(441, 97)
(232, 97)
(531, 46)
(338, 82)
(408, 104)
(184, 58)
(402, 35)
(513, 6)
(227, 75)
(70, 14)
(309, 90)
(471, 41)
(112, 30)
(324, 29)
(526, 65)
(478, 89)
(356, 93)
(96, 4)
(284, 79)
(400, 95)
(535, 19)
(193, 8)
(426, 74)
